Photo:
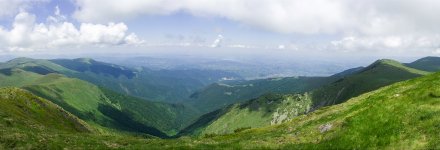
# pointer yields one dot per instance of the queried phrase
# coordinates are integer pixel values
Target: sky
(343, 29)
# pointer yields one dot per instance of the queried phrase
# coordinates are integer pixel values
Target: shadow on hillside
(128, 123)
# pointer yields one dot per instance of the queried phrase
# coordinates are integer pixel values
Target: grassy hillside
(380, 73)
(21, 112)
(20, 108)
(17, 77)
(400, 116)
(219, 95)
(101, 107)
(168, 118)
(274, 109)
(269, 109)
(431, 64)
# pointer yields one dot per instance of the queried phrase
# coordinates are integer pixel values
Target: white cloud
(12, 7)
(281, 46)
(133, 39)
(436, 51)
(403, 42)
(27, 35)
(239, 46)
(218, 41)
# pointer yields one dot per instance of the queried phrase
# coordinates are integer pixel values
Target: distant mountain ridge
(88, 64)
(431, 64)
(160, 85)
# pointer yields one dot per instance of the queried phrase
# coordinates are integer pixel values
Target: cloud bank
(28, 35)
(285, 16)
(360, 24)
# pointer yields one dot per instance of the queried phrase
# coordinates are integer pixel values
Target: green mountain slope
(431, 64)
(38, 66)
(380, 73)
(275, 109)
(219, 95)
(20, 108)
(98, 106)
(269, 109)
(168, 118)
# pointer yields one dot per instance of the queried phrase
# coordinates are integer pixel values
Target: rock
(325, 127)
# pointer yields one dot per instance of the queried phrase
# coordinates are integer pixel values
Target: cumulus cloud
(218, 41)
(26, 34)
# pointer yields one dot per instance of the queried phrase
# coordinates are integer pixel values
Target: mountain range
(87, 103)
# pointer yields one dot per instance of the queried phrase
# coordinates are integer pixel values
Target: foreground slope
(20, 107)
(275, 109)
(23, 114)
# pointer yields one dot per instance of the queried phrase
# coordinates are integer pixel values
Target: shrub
(241, 129)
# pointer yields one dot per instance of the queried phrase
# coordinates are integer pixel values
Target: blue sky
(284, 28)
